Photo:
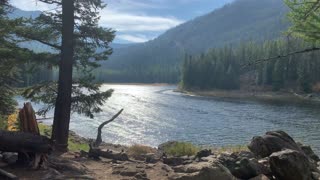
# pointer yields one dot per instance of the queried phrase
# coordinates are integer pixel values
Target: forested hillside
(160, 60)
(232, 68)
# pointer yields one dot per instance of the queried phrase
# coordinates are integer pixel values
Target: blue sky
(141, 20)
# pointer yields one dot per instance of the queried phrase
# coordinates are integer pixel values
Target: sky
(138, 21)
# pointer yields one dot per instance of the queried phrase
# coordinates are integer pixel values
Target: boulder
(272, 142)
(128, 170)
(203, 153)
(316, 175)
(242, 165)
(290, 164)
(191, 168)
(309, 152)
(203, 171)
(173, 161)
(151, 158)
(210, 158)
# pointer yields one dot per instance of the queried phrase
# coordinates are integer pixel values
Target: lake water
(155, 114)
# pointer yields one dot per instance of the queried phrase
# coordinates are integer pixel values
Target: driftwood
(95, 151)
(99, 139)
(8, 175)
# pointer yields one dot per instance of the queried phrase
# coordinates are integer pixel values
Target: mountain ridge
(236, 22)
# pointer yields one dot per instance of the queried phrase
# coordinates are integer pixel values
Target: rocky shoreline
(273, 156)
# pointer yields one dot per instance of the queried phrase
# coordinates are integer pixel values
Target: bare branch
(99, 139)
(280, 56)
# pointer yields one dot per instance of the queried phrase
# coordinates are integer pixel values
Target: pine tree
(10, 57)
(73, 31)
(278, 79)
(305, 19)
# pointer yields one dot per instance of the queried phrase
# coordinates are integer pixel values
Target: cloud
(31, 5)
(128, 17)
(133, 38)
(123, 22)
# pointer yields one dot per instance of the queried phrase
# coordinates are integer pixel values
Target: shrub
(12, 122)
(181, 149)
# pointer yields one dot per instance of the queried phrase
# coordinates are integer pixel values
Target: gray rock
(210, 158)
(173, 161)
(309, 152)
(191, 168)
(272, 142)
(204, 171)
(166, 168)
(203, 153)
(151, 158)
(246, 168)
(316, 175)
(128, 170)
(242, 165)
(10, 158)
(290, 164)
(260, 177)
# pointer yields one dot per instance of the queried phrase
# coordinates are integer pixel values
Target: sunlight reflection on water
(155, 114)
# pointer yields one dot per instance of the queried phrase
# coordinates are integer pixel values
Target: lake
(155, 114)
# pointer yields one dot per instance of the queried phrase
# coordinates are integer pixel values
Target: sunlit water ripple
(155, 114)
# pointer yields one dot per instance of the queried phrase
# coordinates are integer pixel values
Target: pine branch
(42, 41)
(280, 56)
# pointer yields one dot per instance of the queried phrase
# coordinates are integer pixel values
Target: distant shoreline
(289, 97)
(141, 84)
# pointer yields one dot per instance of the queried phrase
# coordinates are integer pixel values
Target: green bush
(181, 149)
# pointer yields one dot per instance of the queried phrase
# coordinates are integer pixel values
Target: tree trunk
(60, 131)
(27, 120)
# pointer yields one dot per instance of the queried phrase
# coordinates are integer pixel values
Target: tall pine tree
(72, 30)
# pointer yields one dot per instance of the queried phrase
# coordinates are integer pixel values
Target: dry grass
(137, 150)
(230, 149)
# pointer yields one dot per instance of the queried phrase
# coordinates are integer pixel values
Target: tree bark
(60, 131)
(27, 120)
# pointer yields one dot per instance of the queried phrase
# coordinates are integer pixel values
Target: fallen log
(24, 142)
(8, 175)
(97, 152)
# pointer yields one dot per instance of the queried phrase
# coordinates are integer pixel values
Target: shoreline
(266, 96)
(140, 84)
